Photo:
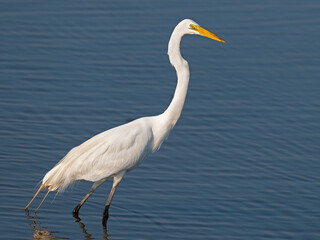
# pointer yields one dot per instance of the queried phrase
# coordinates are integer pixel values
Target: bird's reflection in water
(87, 235)
(44, 235)
(41, 233)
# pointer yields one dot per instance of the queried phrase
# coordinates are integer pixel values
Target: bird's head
(186, 26)
(191, 27)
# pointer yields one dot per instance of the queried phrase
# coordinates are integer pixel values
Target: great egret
(116, 151)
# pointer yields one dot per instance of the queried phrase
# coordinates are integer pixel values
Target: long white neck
(168, 119)
(181, 66)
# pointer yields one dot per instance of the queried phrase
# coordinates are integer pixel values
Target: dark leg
(104, 225)
(116, 180)
(94, 187)
(106, 209)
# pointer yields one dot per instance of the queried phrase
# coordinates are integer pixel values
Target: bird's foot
(106, 213)
(75, 211)
(105, 217)
(104, 222)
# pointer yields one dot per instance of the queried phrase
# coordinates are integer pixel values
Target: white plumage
(104, 155)
(116, 151)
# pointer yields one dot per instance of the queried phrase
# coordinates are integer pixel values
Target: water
(243, 160)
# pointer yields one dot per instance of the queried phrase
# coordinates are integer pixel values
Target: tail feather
(58, 178)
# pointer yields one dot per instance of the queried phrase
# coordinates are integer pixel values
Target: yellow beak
(206, 33)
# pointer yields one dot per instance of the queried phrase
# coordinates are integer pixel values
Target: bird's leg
(106, 209)
(42, 201)
(42, 186)
(116, 180)
(94, 187)
(104, 226)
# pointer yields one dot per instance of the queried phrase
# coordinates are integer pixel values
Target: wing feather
(104, 155)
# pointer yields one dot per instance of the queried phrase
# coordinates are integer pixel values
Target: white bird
(116, 151)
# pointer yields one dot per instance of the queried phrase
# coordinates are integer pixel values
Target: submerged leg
(94, 187)
(42, 201)
(42, 186)
(116, 180)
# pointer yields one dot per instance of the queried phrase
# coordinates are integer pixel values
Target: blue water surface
(243, 160)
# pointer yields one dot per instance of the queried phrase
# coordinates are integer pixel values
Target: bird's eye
(193, 27)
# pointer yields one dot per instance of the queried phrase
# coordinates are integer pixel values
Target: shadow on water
(41, 233)
(87, 235)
